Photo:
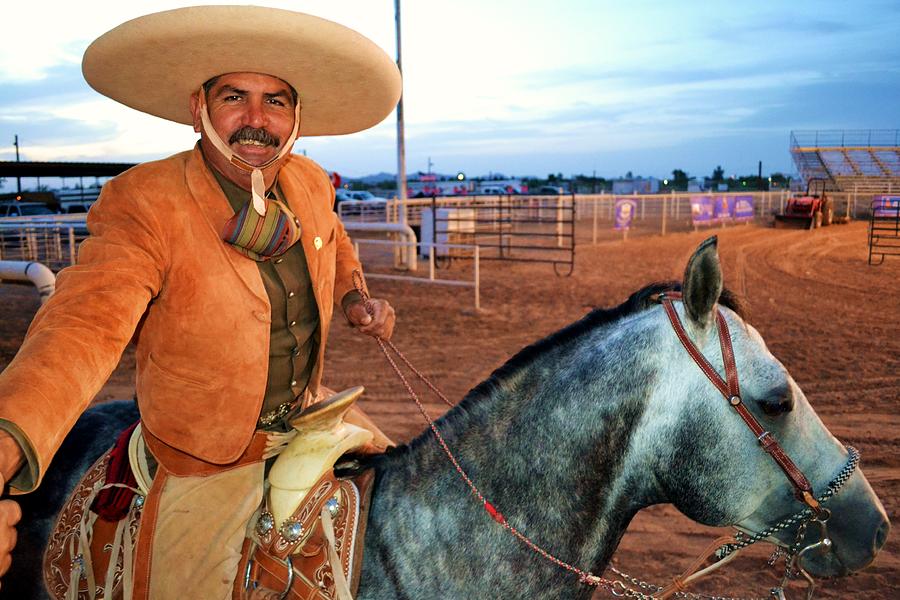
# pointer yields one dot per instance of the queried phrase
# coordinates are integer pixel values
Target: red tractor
(808, 211)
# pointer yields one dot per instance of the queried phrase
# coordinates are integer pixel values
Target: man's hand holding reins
(10, 514)
(379, 324)
(11, 459)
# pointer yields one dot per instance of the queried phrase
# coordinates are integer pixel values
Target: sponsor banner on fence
(743, 208)
(706, 210)
(625, 209)
(701, 210)
(722, 207)
(886, 206)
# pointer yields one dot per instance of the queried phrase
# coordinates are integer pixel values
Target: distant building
(635, 185)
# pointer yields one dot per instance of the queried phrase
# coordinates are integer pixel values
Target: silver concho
(139, 501)
(265, 523)
(333, 506)
(291, 531)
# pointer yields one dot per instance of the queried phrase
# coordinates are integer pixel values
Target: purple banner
(886, 206)
(625, 209)
(743, 208)
(701, 210)
(722, 208)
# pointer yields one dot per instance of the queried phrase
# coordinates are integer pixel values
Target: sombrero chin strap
(257, 181)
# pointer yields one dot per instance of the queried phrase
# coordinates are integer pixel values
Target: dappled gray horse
(569, 440)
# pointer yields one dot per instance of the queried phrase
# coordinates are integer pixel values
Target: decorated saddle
(304, 542)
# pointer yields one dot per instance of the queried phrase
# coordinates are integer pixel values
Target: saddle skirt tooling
(304, 542)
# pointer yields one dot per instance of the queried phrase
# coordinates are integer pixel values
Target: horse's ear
(702, 283)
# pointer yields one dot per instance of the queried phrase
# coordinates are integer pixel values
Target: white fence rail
(53, 240)
(433, 249)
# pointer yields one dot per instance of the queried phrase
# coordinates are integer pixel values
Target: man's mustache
(251, 134)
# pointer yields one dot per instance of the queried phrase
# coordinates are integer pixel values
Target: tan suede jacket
(156, 268)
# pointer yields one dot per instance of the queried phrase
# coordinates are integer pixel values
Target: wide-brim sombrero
(345, 82)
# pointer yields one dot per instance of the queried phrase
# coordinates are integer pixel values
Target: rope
(583, 576)
(615, 587)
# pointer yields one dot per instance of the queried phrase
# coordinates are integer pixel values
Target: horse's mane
(637, 302)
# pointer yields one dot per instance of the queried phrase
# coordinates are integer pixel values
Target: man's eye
(232, 98)
(276, 102)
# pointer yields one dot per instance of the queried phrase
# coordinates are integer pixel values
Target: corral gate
(884, 228)
(538, 229)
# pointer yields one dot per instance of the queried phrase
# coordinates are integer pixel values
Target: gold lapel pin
(317, 242)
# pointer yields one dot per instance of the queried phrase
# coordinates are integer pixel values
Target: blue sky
(518, 87)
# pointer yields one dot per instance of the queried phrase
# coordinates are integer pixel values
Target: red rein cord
(583, 576)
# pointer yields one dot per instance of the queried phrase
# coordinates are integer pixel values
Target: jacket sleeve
(77, 337)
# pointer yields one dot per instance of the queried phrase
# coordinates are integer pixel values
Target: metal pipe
(477, 279)
(408, 237)
(38, 274)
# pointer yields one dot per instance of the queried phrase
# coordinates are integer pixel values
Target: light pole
(401, 144)
(19, 179)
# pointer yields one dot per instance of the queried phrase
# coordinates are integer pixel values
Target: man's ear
(195, 111)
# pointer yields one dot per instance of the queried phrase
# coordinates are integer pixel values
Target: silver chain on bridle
(792, 555)
(812, 513)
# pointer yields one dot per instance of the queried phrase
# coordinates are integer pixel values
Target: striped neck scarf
(262, 237)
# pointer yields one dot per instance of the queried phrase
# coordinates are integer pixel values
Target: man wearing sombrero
(223, 262)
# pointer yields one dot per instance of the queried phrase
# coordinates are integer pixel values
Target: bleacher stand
(863, 162)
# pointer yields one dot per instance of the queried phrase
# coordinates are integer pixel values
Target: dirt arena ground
(833, 320)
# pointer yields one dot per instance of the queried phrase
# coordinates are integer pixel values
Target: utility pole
(401, 144)
(18, 179)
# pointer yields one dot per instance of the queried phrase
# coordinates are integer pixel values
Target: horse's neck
(547, 451)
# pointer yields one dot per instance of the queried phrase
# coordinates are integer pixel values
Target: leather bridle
(724, 548)
(731, 390)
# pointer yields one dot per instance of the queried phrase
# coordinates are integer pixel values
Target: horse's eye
(777, 404)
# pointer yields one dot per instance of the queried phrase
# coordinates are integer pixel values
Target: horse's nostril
(882, 534)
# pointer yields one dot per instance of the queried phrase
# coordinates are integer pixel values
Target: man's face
(252, 113)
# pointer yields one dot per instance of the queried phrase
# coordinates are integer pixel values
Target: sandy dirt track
(830, 318)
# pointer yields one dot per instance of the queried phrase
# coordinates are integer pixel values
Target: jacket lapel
(300, 203)
(215, 208)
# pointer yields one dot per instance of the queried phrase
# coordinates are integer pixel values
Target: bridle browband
(730, 388)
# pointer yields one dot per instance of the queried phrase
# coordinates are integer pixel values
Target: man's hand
(380, 324)
(11, 459)
(10, 514)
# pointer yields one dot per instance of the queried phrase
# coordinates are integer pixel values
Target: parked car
(74, 207)
(340, 194)
(25, 209)
(550, 190)
(364, 195)
(493, 190)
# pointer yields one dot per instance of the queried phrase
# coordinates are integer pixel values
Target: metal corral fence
(511, 227)
(884, 228)
(52, 241)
